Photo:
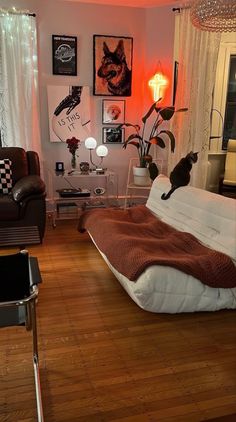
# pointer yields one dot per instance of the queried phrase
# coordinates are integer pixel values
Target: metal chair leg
(36, 362)
(28, 322)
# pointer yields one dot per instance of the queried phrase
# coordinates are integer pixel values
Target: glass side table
(96, 191)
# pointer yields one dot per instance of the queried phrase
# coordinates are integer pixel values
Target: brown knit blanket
(134, 239)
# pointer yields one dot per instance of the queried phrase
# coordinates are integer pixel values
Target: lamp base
(100, 171)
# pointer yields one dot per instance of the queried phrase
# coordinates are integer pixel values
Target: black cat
(180, 175)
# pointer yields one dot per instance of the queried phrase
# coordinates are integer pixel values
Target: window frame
(226, 50)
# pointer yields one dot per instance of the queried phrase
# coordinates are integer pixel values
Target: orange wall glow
(158, 83)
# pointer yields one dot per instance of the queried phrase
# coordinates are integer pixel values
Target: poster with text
(64, 55)
(69, 112)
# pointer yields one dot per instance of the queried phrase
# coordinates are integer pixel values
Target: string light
(16, 26)
(13, 11)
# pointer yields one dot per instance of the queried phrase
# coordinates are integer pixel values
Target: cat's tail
(165, 196)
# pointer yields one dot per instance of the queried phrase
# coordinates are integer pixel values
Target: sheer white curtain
(18, 81)
(198, 52)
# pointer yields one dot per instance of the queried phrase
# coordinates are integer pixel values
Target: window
(18, 81)
(224, 104)
(229, 131)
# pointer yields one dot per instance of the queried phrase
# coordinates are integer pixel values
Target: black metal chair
(20, 276)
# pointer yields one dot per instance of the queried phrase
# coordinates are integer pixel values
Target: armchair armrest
(28, 185)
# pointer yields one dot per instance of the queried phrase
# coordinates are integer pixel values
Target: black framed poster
(113, 135)
(112, 61)
(64, 55)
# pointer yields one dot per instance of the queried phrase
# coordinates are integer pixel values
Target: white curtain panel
(19, 82)
(198, 52)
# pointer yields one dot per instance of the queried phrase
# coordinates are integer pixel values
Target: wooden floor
(102, 358)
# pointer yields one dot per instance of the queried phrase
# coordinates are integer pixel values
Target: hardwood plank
(227, 418)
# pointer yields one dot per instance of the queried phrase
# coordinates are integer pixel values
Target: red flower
(73, 144)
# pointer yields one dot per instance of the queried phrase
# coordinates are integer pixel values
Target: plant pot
(141, 176)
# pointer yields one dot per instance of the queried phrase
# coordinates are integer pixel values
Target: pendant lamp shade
(214, 15)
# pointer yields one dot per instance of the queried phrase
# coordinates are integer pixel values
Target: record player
(73, 193)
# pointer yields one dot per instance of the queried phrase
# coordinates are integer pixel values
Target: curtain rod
(178, 9)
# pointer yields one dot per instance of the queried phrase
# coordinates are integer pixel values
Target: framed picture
(112, 58)
(112, 135)
(113, 112)
(68, 112)
(64, 55)
(175, 81)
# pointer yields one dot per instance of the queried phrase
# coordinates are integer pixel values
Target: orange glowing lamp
(158, 83)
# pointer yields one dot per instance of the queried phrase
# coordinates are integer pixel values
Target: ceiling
(129, 3)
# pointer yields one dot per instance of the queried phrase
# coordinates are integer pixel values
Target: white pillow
(5, 176)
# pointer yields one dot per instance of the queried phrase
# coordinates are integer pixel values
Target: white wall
(152, 32)
(159, 50)
(160, 25)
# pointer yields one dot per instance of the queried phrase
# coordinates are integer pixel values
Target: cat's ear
(195, 156)
(189, 155)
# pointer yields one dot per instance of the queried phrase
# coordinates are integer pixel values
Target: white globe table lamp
(101, 152)
(91, 143)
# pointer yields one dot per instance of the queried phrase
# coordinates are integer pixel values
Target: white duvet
(212, 219)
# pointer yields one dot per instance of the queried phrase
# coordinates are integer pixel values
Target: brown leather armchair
(25, 204)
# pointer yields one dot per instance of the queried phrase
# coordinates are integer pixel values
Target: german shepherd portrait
(114, 70)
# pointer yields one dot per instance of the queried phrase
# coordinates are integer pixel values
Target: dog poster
(112, 65)
(69, 112)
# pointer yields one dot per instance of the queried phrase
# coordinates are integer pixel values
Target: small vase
(73, 161)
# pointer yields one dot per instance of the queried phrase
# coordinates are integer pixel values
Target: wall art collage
(69, 106)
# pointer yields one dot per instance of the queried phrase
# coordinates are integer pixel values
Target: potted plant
(143, 140)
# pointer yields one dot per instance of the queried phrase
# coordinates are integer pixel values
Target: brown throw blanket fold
(134, 239)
